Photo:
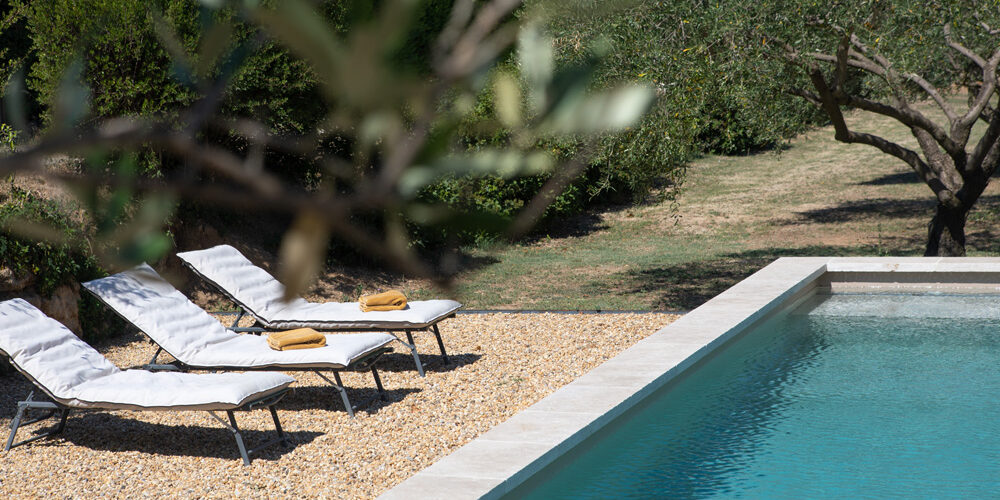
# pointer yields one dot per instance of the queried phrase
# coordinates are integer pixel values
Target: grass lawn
(736, 214)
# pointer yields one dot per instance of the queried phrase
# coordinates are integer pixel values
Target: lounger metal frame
(51, 408)
(411, 345)
(366, 362)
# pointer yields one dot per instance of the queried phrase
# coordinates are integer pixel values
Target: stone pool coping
(505, 456)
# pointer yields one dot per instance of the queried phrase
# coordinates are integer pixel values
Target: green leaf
(142, 238)
(300, 27)
(608, 111)
(215, 42)
(502, 163)
(13, 97)
(73, 98)
(508, 100)
(180, 61)
(537, 60)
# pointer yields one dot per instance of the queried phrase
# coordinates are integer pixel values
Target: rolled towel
(385, 301)
(301, 338)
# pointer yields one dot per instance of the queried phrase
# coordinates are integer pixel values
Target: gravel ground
(501, 364)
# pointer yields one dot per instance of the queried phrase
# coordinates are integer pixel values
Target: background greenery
(719, 88)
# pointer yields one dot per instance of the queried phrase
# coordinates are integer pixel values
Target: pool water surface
(870, 396)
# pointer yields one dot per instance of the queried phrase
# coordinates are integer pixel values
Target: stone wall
(62, 305)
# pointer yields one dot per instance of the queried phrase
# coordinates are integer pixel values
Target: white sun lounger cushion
(75, 374)
(197, 339)
(261, 295)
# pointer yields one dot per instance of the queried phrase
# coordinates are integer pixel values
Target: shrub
(129, 72)
(52, 264)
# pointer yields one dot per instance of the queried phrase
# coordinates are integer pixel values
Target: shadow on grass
(985, 240)
(986, 208)
(909, 177)
(883, 208)
(572, 227)
(686, 286)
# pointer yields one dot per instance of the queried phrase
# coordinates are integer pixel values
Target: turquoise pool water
(846, 396)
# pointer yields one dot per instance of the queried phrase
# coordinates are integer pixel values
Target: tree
(882, 58)
(387, 130)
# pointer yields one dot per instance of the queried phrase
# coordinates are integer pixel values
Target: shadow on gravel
(13, 388)
(111, 432)
(325, 397)
(686, 286)
(402, 361)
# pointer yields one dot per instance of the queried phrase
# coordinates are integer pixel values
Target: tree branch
(845, 135)
(805, 94)
(905, 114)
(962, 49)
(988, 142)
(984, 96)
(890, 75)
(989, 29)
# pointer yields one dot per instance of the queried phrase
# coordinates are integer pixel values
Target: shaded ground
(814, 196)
(736, 214)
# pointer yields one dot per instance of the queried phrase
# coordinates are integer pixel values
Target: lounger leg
(413, 349)
(277, 425)
(62, 421)
(437, 333)
(14, 424)
(19, 420)
(343, 394)
(239, 437)
(236, 324)
(155, 355)
(339, 387)
(231, 425)
(154, 366)
(378, 384)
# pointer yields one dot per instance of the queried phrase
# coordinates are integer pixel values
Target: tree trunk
(946, 233)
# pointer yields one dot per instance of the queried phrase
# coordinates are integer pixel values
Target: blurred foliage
(354, 118)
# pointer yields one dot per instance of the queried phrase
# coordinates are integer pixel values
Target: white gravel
(501, 364)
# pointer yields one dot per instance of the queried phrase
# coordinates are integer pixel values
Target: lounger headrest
(252, 287)
(151, 303)
(47, 351)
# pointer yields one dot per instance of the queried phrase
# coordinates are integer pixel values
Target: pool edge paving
(506, 455)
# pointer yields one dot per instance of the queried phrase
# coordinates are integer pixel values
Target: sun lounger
(198, 341)
(261, 295)
(77, 377)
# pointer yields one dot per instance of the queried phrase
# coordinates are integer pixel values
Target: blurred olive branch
(400, 127)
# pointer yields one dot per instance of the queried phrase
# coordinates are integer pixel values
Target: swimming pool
(527, 444)
(845, 395)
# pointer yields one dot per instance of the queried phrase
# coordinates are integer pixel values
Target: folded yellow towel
(301, 338)
(385, 301)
